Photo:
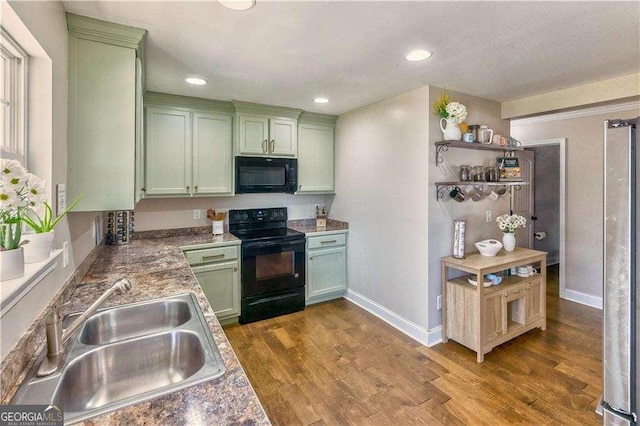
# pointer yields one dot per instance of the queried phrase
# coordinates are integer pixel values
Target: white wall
(46, 21)
(152, 214)
(584, 220)
(442, 214)
(382, 153)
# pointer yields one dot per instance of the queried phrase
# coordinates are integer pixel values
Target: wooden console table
(482, 318)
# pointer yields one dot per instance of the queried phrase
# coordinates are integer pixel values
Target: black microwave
(259, 175)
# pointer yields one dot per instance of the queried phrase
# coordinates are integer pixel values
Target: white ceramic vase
(11, 264)
(452, 130)
(39, 246)
(509, 241)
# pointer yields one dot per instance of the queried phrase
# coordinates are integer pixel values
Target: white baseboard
(416, 332)
(583, 298)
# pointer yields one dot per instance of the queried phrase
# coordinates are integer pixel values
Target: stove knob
(245, 216)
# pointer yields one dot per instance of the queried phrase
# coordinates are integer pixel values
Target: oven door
(272, 266)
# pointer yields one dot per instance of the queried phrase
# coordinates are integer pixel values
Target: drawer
(326, 241)
(209, 255)
(515, 292)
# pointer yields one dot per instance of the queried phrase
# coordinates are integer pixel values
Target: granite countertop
(308, 226)
(157, 268)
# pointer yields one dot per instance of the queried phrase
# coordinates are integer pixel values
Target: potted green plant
(18, 190)
(38, 244)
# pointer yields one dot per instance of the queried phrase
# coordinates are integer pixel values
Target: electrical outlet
(488, 215)
(196, 214)
(439, 302)
(65, 254)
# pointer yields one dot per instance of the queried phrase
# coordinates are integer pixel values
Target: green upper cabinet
(316, 153)
(188, 147)
(265, 131)
(168, 151)
(102, 124)
(212, 159)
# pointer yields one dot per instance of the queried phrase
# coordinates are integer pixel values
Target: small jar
(465, 173)
(477, 174)
(492, 174)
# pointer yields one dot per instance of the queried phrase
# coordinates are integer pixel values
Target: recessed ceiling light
(418, 55)
(195, 80)
(238, 4)
(321, 100)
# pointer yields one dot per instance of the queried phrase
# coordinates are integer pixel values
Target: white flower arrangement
(445, 108)
(22, 199)
(509, 223)
(19, 191)
(456, 111)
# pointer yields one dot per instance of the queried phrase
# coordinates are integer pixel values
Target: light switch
(61, 198)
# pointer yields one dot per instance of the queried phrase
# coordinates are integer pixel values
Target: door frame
(562, 142)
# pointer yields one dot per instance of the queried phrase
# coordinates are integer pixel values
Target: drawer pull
(328, 242)
(217, 256)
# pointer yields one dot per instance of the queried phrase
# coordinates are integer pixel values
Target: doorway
(550, 197)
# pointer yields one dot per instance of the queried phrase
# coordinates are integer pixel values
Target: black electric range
(273, 263)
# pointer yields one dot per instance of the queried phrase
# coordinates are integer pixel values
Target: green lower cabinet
(326, 272)
(220, 284)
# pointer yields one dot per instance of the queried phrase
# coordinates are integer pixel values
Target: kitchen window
(13, 98)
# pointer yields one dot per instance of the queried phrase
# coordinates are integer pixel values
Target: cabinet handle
(273, 145)
(299, 187)
(217, 256)
(188, 188)
(264, 145)
(311, 258)
(235, 269)
(196, 188)
(517, 292)
(328, 242)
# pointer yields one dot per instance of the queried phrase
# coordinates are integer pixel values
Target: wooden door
(494, 316)
(168, 151)
(315, 158)
(534, 300)
(253, 135)
(212, 157)
(522, 200)
(283, 134)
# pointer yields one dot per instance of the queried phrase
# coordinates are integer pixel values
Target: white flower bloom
(457, 111)
(509, 224)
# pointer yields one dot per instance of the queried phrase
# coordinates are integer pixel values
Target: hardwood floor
(335, 364)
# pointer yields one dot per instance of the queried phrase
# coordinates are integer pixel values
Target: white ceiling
(287, 53)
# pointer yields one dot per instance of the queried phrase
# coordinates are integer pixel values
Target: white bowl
(488, 247)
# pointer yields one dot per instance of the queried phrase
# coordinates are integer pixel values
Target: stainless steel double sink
(128, 354)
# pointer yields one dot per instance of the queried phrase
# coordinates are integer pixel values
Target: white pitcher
(452, 131)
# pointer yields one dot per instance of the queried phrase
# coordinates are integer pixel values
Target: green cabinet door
(283, 137)
(326, 271)
(101, 125)
(253, 135)
(212, 157)
(220, 284)
(168, 151)
(315, 158)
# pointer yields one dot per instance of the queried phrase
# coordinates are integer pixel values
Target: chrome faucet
(57, 337)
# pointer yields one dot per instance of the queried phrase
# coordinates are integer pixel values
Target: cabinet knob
(143, 189)
(196, 188)
(188, 187)
(235, 269)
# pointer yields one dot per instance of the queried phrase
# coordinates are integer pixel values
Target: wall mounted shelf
(444, 146)
(443, 187)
